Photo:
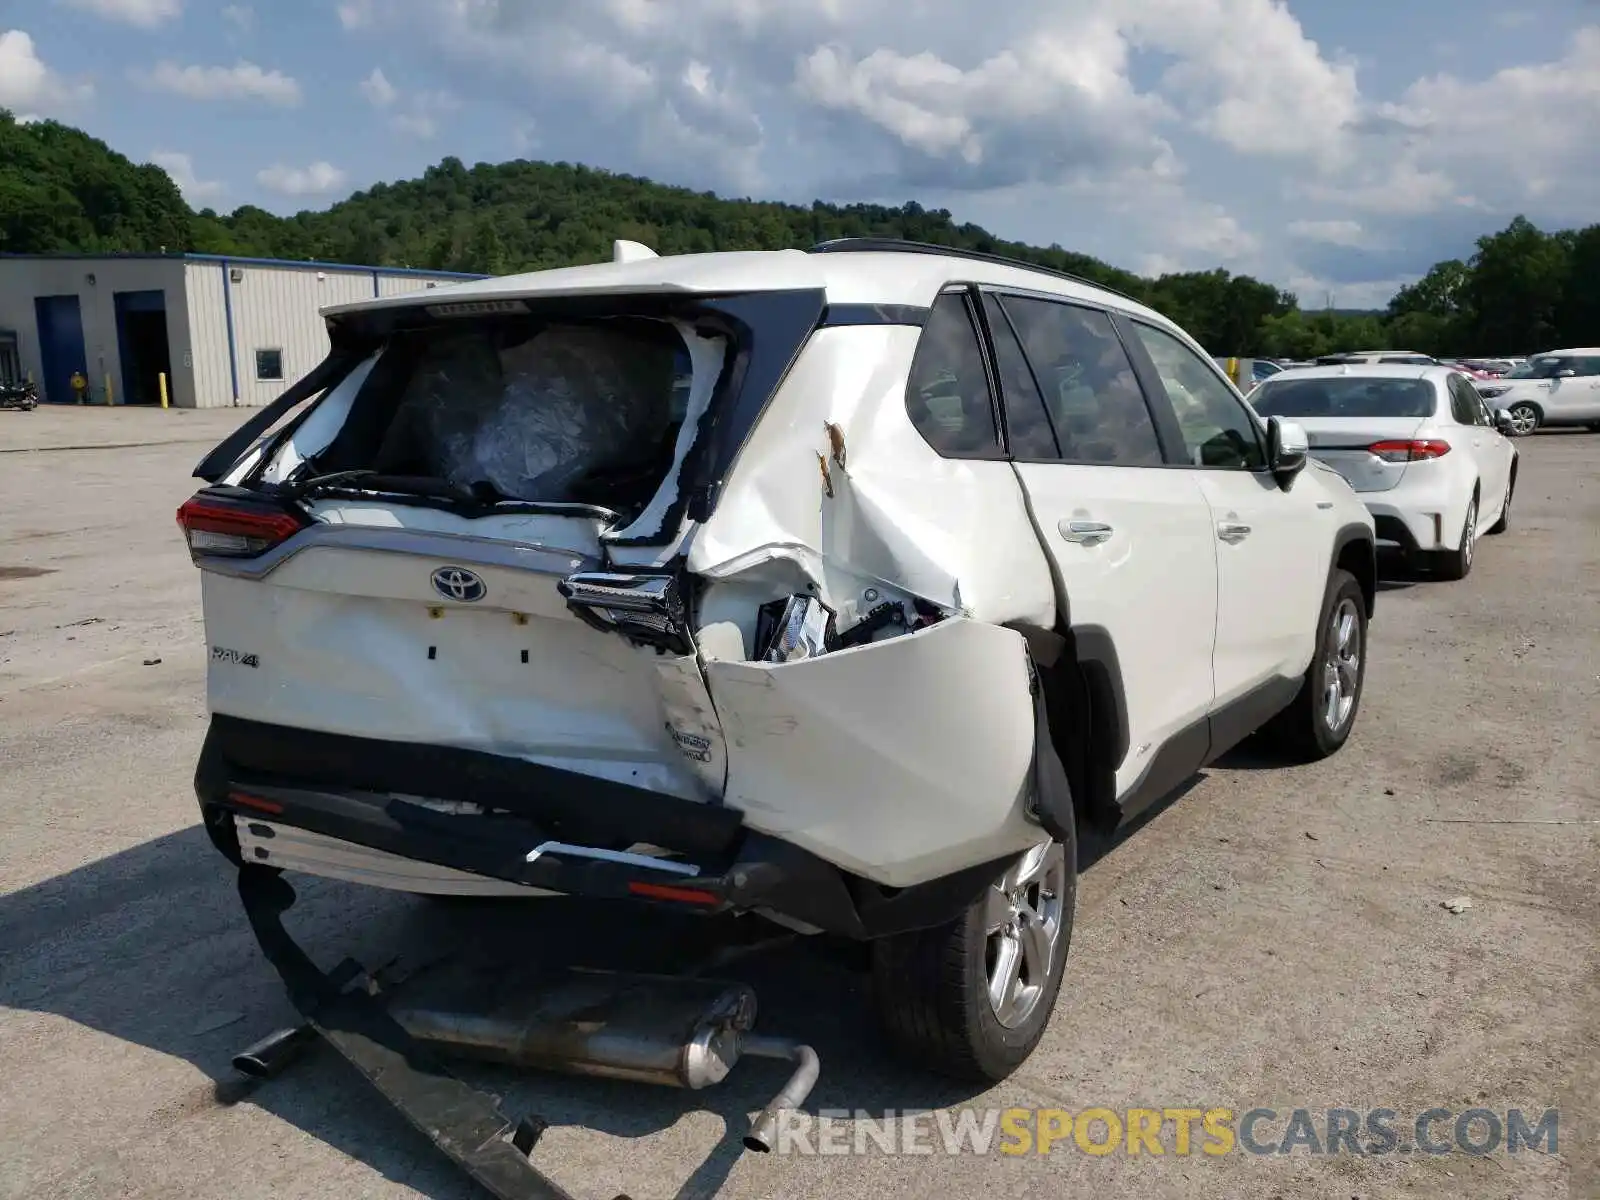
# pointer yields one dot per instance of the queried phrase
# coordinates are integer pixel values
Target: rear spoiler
(325, 375)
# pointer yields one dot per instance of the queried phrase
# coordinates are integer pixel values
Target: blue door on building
(61, 349)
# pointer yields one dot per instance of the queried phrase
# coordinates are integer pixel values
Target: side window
(1218, 430)
(1090, 391)
(947, 396)
(1027, 423)
(1465, 404)
(1586, 366)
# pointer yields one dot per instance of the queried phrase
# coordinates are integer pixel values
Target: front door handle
(1084, 533)
(1232, 532)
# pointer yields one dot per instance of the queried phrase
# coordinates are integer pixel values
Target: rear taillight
(1409, 451)
(234, 530)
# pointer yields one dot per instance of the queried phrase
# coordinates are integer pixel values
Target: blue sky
(1333, 148)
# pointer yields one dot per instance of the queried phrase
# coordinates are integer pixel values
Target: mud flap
(460, 1120)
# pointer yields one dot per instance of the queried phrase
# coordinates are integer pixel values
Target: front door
(1131, 540)
(1271, 543)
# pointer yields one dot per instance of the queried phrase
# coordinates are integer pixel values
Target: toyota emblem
(458, 583)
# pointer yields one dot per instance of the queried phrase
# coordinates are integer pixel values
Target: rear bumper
(261, 776)
(1418, 518)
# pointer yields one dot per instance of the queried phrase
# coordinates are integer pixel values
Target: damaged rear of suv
(720, 581)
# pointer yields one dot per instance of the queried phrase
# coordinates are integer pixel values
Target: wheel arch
(1086, 706)
(1356, 550)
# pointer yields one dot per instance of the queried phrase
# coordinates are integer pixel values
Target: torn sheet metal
(903, 761)
(953, 532)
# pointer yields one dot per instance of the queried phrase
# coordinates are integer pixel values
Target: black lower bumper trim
(1393, 529)
(314, 781)
(460, 1120)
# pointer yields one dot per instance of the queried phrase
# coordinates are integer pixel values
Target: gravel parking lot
(1272, 939)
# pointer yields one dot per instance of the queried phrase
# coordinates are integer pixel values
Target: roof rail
(867, 245)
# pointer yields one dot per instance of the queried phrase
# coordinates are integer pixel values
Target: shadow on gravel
(152, 947)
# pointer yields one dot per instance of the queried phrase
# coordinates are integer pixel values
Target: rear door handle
(1084, 533)
(1232, 532)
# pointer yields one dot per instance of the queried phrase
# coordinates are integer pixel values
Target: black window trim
(992, 351)
(1141, 377)
(1167, 425)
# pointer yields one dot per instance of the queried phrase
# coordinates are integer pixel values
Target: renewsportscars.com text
(1176, 1131)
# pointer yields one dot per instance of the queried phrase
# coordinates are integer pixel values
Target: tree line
(63, 191)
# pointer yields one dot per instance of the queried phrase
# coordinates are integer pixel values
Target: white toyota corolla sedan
(1417, 443)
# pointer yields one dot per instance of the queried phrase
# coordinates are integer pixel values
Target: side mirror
(1287, 448)
(1565, 373)
(1504, 421)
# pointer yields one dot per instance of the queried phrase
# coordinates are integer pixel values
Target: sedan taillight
(232, 529)
(1409, 451)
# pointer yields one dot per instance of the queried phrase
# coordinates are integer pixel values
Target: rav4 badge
(458, 583)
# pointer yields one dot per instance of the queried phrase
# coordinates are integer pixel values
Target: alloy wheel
(1341, 665)
(1023, 920)
(1523, 420)
(1469, 534)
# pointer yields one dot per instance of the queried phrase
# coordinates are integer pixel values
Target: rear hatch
(467, 522)
(1346, 444)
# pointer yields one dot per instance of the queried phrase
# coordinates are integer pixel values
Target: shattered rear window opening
(582, 412)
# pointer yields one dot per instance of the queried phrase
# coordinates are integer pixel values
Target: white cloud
(147, 14)
(318, 179)
(1335, 231)
(28, 86)
(242, 81)
(1521, 137)
(355, 14)
(378, 90)
(1261, 85)
(196, 191)
(425, 111)
(241, 18)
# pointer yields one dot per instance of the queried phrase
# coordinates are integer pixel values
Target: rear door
(1130, 540)
(1490, 452)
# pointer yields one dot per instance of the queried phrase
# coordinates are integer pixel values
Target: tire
(1452, 565)
(1504, 522)
(931, 987)
(1525, 419)
(1304, 729)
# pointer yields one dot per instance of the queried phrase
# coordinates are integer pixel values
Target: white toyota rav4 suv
(833, 586)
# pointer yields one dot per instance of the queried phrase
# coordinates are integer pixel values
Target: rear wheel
(971, 999)
(1457, 563)
(1524, 419)
(1319, 719)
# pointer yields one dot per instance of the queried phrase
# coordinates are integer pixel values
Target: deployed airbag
(535, 418)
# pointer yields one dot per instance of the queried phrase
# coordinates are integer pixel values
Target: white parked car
(833, 586)
(1559, 387)
(1418, 444)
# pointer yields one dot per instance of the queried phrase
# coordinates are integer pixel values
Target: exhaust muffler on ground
(663, 1030)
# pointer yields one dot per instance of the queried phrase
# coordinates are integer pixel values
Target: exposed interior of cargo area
(639, 558)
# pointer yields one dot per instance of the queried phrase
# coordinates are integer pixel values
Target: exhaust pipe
(664, 1030)
(273, 1054)
(764, 1129)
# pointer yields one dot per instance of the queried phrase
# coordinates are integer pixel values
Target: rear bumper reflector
(679, 895)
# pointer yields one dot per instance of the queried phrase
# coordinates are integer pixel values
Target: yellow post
(109, 400)
(161, 381)
(1233, 369)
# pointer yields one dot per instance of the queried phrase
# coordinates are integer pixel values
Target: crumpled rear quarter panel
(901, 761)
